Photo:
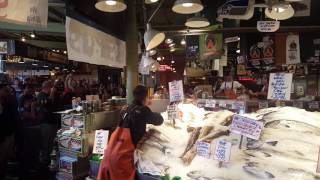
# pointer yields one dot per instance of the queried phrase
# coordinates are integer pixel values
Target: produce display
(288, 146)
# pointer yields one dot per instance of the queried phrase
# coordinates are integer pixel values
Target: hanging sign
(293, 49)
(89, 45)
(203, 149)
(100, 141)
(222, 151)
(280, 86)
(28, 12)
(232, 39)
(268, 26)
(246, 127)
(176, 91)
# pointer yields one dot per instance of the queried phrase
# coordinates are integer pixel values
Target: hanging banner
(89, 45)
(293, 49)
(176, 91)
(280, 86)
(268, 26)
(28, 12)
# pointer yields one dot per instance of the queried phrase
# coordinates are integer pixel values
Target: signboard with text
(247, 127)
(176, 91)
(100, 141)
(222, 151)
(280, 86)
(268, 26)
(203, 149)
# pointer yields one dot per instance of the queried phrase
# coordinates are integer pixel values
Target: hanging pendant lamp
(197, 22)
(187, 6)
(280, 11)
(111, 5)
(153, 38)
(150, 1)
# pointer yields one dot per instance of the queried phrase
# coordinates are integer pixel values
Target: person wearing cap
(118, 161)
(229, 87)
(8, 120)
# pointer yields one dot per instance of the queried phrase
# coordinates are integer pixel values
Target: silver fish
(258, 172)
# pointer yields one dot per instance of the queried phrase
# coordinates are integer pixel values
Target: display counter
(159, 105)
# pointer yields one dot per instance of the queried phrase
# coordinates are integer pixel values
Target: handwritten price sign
(203, 149)
(210, 103)
(247, 127)
(280, 86)
(176, 91)
(100, 141)
(222, 151)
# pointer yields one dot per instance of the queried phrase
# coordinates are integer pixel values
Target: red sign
(165, 67)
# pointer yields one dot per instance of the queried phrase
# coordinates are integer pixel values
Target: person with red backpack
(118, 161)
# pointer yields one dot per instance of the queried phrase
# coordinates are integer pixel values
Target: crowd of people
(28, 119)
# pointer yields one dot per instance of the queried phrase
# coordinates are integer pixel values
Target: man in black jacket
(8, 120)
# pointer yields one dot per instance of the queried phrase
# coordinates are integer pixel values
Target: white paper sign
(280, 86)
(100, 141)
(176, 91)
(203, 149)
(293, 49)
(89, 45)
(247, 127)
(210, 103)
(28, 12)
(268, 26)
(222, 151)
(172, 111)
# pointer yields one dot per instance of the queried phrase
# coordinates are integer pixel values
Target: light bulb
(153, 1)
(32, 35)
(159, 58)
(172, 62)
(64, 52)
(172, 45)
(169, 41)
(111, 2)
(187, 4)
(23, 39)
(172, 49)
(183, 42)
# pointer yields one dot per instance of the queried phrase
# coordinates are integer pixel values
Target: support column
(131, 49)
(2, 68)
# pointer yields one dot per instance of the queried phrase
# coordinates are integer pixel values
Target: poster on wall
(176, 91)
(280, 86)
(27, 12)
(210, 46)
(261, 50)
(293, 49)
(89, 45)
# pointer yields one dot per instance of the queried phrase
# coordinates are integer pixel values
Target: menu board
(280, 86)
(176, 91)
(100, 141)
(246, 127)
(222, 151)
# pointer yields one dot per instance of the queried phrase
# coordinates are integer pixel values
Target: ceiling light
(183, 42)
(64, 52)
(159, 58)
(153, 38)
(21, 61)
(172, 45)
(111, 5)
(34, 64)
(150, 1)
(57, 68)
(187, 6)
(162, 57)
(53, 50)
(172, 62)
(169, 41)
(32, 35)
(65, 69)
(238, 51)
(152, 52)
(58, 50)
(23, 39)
(197, 22)
(280, 11)
(45, 65)
(172, 49)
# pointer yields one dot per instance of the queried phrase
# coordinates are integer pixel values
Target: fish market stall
(281, 151)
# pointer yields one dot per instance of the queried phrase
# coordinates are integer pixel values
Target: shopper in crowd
(118, 161)
(48, 123)
(17, 86)
(8, 119)
(229, 87)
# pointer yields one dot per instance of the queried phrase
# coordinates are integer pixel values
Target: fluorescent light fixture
(111, 5)
(197, 22)
(150, 1)
(168, 41)
(153, 38)
(280, 11)
(187, 6)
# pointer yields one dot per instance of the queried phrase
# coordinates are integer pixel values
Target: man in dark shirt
(118, 157)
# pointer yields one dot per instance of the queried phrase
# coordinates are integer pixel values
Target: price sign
(318, 167)
(100, 141)
(263, 105)
(314, 105)
(203, 149)
(268, 26)
(247, 127)
(210, 103)
(222, 151)
(172, 112)
(176, 91)
(280, 86)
